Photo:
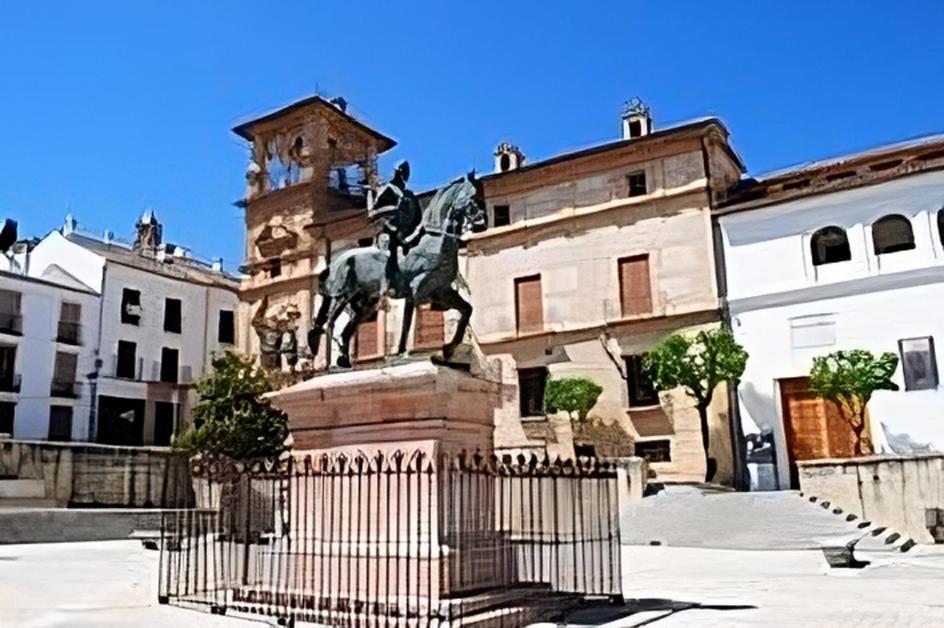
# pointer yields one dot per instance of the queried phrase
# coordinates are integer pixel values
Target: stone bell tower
(311, 164)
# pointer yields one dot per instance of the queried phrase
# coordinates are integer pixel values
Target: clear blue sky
(111, 107)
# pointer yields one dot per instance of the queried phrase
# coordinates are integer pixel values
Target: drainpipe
(93, 376)
(735, 431)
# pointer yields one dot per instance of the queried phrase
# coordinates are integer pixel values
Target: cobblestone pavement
(101, 584)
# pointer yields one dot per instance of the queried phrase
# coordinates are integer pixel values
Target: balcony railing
(69, 333)
(10, 382)
(11, 323)
(64, 389)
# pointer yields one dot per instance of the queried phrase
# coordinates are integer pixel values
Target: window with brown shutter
(69, 329)
(63, 376)
(429, 327)
(368, 333)
(635, 289)
(529, 310)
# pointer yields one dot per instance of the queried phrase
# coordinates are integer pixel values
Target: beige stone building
(591, 258)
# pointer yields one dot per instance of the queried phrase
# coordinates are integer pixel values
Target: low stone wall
(902, 492)
(87, 475)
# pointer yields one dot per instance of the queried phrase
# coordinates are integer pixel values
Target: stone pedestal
(408, 407)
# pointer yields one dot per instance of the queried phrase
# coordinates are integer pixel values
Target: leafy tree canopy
(574, 395)
(696, 362)
(232, 418)
(850, 377)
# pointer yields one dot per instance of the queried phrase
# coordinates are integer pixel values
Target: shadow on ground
(595, 614)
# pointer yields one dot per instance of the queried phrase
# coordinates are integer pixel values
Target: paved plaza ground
(723, 560)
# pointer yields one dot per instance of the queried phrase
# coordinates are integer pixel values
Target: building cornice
(837, 290)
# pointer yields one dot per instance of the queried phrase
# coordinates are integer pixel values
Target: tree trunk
(711, 465)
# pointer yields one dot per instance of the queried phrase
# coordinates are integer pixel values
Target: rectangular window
(368, 341)
(69, 331)
(169, 366)
(11, 321)
(7, 414)
(918, 363)
(531, 384)
(165, 422)
(126, 361)
(63, 376)
(529, 309)
(172, 315)
(275, 268)
(635, 286)
(131, 306)
(60, 423)
(637, 183)
(429, 330)
(226, 329)
(654, 450)
(9, 382)
(641, 392)
(501, 216)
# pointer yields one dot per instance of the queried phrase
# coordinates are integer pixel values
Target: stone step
(26, 503)
(20, 488)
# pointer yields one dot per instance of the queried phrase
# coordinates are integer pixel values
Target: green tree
(848, 379)
(232, 417)
(574, 395)
(697, 363)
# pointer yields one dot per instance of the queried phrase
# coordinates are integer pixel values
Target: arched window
(830, 245)
(891, 234)
(940, 225)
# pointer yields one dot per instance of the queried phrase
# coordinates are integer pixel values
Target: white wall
(200, 306)
(869, 302)
(81, 263)
(196, 342)
(768, 250)
(36, 354)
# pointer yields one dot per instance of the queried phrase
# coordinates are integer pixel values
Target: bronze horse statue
(424, 272)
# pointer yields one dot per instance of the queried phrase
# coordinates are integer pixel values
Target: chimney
(508, 157)
(637, 120)
(218, 265)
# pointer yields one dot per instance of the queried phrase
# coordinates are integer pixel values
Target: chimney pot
(636, 118)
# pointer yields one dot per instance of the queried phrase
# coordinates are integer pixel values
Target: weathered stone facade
(569, 222)
(311, 165)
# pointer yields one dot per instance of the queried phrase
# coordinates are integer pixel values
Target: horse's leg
(405, 327)
(360, 311)
(451, 299)
(337, 307)
(318, 326)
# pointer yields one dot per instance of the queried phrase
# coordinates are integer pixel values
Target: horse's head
(468, 208)
(457, 208)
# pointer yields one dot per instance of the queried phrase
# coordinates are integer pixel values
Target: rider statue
(398, 211)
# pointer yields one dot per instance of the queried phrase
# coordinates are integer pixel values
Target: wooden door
(813, 427)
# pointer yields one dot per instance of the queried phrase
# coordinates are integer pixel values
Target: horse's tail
(318, 325)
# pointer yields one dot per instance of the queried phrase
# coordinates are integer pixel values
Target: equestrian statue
(414, 257)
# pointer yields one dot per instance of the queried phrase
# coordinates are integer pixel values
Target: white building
(159, 317)
(843, 254)
(48, 326)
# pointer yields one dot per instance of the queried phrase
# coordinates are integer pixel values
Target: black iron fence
(395, 538)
